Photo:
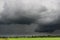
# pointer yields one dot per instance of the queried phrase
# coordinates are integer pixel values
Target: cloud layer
(28, 11)
(29, 15)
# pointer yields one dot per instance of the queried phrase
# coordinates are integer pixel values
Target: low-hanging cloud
(29, 11)
(29, 15)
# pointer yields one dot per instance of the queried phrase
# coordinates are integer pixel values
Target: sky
(31, 9)
(28, 12)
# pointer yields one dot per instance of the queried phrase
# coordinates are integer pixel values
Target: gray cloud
(20, 15)
(28, 12)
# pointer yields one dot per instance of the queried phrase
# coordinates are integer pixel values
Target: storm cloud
(43, 14)
(28, 11)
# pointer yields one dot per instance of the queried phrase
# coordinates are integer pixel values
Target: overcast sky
(31, 9)
(33, 12)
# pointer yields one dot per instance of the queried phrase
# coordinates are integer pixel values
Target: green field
(57, 38)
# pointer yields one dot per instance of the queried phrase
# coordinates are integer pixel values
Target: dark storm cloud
(45, 14)
(15, 15)
(25, 12)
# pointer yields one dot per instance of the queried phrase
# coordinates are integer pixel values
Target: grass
(32, 38)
